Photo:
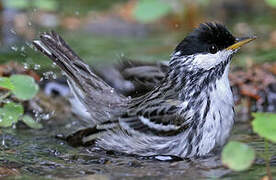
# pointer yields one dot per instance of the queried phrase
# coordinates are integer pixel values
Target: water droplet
(49, 75)
(54, 64)
(45, 116)
(29, 44)
(23, 55)
(54, 76)
(82, 172)
(6, 101)
(13, 31)
(122, 55)
(26, 66)
(36, 66)
(22, 49)
(3, 141)
(14, 48)
(61, 143)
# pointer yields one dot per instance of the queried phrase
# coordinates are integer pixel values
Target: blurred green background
(103, 31)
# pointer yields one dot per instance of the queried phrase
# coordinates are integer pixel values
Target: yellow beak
(240, 42)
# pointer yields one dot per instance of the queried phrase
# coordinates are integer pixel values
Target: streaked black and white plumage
(188, 114)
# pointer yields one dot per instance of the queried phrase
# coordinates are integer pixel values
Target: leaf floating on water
(10, 114)
(265, 125)
(29, 121)
(6, 83)
(25, 87)
(238, 156)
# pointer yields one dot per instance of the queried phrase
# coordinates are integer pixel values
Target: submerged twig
(267, 160)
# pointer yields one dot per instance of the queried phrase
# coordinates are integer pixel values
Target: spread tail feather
(100, 100)
(87, 136)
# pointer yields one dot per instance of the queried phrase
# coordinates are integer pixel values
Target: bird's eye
(213, 49)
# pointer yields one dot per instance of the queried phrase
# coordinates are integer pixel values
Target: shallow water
(38, 154)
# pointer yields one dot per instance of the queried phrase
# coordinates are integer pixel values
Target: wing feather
(154, 118)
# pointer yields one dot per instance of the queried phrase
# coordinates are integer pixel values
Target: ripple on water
(39, 153)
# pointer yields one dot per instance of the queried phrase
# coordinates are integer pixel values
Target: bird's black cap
(207, 38)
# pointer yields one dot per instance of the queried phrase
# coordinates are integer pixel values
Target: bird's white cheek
(208, 61)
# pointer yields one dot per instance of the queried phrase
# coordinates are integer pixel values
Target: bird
(133, 77)
(188, 113)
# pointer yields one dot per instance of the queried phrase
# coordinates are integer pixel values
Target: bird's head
(208, 46)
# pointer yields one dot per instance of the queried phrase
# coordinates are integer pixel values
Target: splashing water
(13, 31)
(37, 67)
(54, 65)
(48, 75)
(22, 49)
(3, 143)
(26, 65)
(39, 115)
(29, 44)
(14, 48)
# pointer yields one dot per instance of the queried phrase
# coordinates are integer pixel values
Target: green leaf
(203, 2)
(238, 156)
(150, 10)
(265, 125)
(29, 121)
(271, 3)
(6, 83)
(47, 5)
(10, 113)
(17, 4)
(25, 87)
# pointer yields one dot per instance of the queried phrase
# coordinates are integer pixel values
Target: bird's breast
(217, 116)
(221, 109)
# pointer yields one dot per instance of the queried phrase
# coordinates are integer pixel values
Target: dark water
(37, 154)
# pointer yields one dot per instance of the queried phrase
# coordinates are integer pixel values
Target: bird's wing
(132, 77)
(95, 94)
(145, 76)
(155, 117)
(147, 72)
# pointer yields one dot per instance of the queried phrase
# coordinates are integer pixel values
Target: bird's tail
(99, 99)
